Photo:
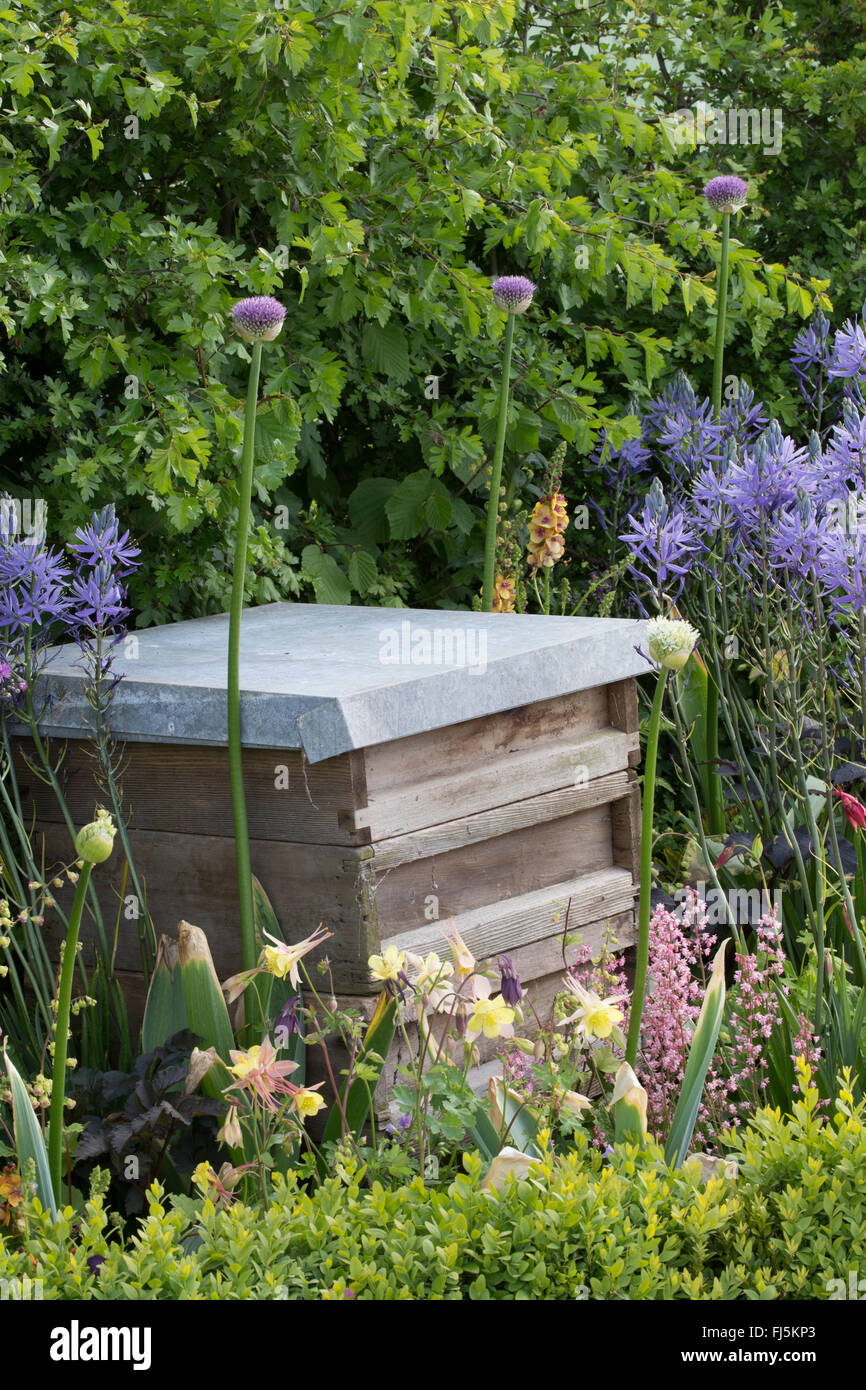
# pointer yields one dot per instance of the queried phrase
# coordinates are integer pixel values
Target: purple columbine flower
(726, 193)
(509, 981)
(287, 1018)
(258, 320)
(513, 293)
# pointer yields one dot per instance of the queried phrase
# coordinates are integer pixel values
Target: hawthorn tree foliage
(373, 165)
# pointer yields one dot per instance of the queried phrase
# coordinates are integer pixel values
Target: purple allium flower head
(513, 293)
(509, 981)
(258, 320)
(726, 193)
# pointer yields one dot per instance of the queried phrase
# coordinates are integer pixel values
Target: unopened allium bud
(726, 193)
(513, 293)
(94, 842)
(671, 641)
(258, 320)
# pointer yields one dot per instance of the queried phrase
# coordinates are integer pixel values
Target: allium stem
(646, 850)
(721, 309)
(496, 479)
(239, 806)
(64, 1000)
(715, 805)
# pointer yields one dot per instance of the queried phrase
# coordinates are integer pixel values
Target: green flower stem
(646, 848)
(496, 479)
(715, 805)
(721, 308)
(64, 1000)
(239, 806)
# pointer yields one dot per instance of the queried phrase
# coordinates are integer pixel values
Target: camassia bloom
(596, 1016)
(258, 1072)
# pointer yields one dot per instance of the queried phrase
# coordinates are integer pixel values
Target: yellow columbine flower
(246, 1062)
(308, 1102)
(597, 1017)
(282, 960)
(231, 1131)
(430, 972)
(387, 966)
(573, 1101)
(492, 1017)
(463, 957)
(600, 1019)
(203, 1175)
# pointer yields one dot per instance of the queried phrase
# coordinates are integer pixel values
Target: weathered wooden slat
(194, 877)
(186, 790)
(623, 712)
(625, 819)
(531, 917)
(500, 820)
(492, 870)
(477, 742)
(515, 778)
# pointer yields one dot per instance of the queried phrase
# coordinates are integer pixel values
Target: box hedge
(625, 1227)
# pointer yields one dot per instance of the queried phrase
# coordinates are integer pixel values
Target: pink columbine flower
(258, 1071)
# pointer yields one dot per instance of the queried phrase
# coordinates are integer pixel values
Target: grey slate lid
(328, 678)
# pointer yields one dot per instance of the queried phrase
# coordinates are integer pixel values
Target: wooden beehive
(388, 799)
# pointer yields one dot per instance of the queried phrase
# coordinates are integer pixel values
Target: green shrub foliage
(374, 166)
(581, 1227)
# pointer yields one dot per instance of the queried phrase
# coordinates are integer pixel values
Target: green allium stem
(715, 805)
(721, 309)
(239, 806)
(646, 849)
(496, 479)
(64, 1000)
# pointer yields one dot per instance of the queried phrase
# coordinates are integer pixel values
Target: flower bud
(671, 642)
(94, 842)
